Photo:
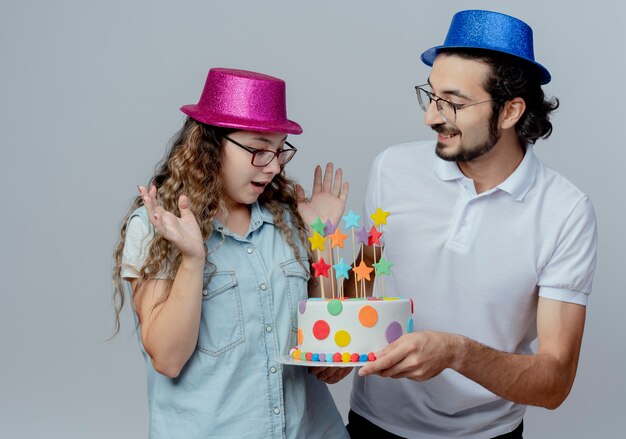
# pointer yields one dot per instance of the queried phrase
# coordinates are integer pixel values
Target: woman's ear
(512, 112)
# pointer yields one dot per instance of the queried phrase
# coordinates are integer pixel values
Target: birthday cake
(350, 330)
(340, 329)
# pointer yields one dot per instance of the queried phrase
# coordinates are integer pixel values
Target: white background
(89, 98)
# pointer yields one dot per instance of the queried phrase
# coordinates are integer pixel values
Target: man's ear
(511, 112)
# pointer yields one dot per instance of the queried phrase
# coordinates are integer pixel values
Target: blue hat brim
(428, 58)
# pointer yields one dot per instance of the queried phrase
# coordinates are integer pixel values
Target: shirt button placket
(274, 377)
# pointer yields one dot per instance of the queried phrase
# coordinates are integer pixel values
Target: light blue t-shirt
(232, 386)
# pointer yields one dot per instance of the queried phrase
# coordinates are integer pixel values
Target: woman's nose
(273, 166)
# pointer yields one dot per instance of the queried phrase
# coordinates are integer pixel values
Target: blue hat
(488, 30)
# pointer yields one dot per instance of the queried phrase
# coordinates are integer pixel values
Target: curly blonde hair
(193, 167)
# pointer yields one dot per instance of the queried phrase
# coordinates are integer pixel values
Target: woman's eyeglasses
(263, 157)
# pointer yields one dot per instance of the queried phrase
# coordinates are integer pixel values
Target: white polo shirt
(474, 264)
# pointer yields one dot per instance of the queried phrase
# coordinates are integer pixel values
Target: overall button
(263, 287)
(250, 250)
(276, 411)
(205, 292)
(268, 328)
(273, 369)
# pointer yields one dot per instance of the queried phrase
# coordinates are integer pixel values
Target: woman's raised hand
(182, 231)
(328, 199)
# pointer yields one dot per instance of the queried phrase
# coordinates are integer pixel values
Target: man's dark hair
(514, 77)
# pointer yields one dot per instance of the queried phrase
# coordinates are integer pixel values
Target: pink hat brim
(221, 120)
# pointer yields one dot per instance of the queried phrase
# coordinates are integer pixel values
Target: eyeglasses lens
(445, 108)
(263, 158)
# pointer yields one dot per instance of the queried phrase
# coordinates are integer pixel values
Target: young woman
(214, 253)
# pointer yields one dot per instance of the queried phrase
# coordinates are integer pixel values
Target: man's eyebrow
(453, 92)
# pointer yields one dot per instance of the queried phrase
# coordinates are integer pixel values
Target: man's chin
(462, 155)
(441, 152)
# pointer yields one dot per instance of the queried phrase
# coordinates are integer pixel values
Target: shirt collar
(521, 180)
(258, 215)
(517, 184)
(446, 170)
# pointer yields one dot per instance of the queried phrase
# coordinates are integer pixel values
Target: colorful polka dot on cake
(335, 307)
(368, 316)
(342, 338)
(321, 329)
(393, 332)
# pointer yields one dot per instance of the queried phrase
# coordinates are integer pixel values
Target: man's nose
(432, 116)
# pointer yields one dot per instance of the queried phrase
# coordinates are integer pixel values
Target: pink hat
(243, 100)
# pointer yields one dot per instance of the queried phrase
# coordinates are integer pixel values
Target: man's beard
(465, 154)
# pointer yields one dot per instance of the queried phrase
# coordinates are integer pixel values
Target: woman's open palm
(182, 231)
(328, 199)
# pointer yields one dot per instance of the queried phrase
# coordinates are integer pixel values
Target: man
(495, 249)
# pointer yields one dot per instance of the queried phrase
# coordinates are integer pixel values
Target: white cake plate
(286, 359)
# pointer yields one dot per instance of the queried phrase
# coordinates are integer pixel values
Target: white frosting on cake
(353, 326)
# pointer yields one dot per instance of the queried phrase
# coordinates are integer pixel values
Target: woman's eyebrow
(265, 139)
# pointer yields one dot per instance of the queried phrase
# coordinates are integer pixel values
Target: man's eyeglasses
(446, 109)
(263, 157)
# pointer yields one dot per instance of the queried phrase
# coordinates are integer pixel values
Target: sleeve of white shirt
(568, 275)
(135, 251)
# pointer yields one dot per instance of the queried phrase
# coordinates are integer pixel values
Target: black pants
(359, 428)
